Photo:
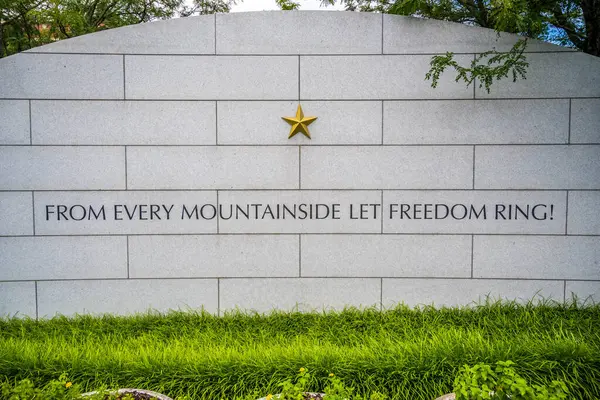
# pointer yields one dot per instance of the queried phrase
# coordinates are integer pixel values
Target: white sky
(260, 5)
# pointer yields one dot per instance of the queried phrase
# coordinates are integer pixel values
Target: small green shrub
(294, 390)
(58, 389)
(481, 381)
(334, 390)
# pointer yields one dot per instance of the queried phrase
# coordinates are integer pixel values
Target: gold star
(299, 123)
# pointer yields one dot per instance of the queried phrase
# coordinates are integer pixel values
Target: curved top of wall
(298, 32)
(284, 55)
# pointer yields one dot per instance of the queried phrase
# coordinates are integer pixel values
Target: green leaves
(287, 5)
(571, 23)
(295, 390)
(56, 389)
(335, 389)
(407, 7)
(25, 24)
(402, 352)
(502, 382)
(485, 68)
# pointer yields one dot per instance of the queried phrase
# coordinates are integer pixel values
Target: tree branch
(561, 21)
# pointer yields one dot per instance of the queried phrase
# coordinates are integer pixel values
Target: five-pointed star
(299, 123)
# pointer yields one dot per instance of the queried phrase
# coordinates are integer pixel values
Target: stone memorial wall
(151, 167)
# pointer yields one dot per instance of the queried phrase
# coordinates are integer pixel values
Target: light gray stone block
(14, 123)
(124, 212)
(448, 167)
(584, 213)
(476, 122)
(536, 257)
(405, 35)
(61, 76)
(585, 121)
(283, 32)
(467, 292)
(17, 299)
(212, 167)
(537, 167)
(123, 122)
(215, 256)
(375, 78)
(585, 292)
(343, 122)
(566, 74)
(346, 219)
(190, 35)
(212, 78)
(478, 211)
(303, 294)
(51, 168)
(16, 213)
(133, 122)
(124, 297)
(76, 257)
(386, 256)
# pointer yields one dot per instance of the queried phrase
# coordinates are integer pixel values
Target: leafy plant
(287, 5)
(502, 382)
(295, 390)
(334, 390)
(496, 66)
(59, 389)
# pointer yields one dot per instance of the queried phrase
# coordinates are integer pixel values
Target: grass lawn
(404, 353)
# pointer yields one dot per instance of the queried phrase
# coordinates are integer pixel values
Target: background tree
(25, 24)
(287, 5)
(572, 23)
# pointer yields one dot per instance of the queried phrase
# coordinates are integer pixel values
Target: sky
(260, 5)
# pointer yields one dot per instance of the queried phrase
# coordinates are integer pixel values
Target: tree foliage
(572, 23)
(25, 24)
(486, 67)
(287, 5)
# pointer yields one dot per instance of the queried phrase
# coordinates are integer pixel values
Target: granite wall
(96, 130)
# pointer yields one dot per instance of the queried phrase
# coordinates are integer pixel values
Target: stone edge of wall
(299, 32)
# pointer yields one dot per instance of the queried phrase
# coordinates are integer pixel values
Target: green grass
(405, 353)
